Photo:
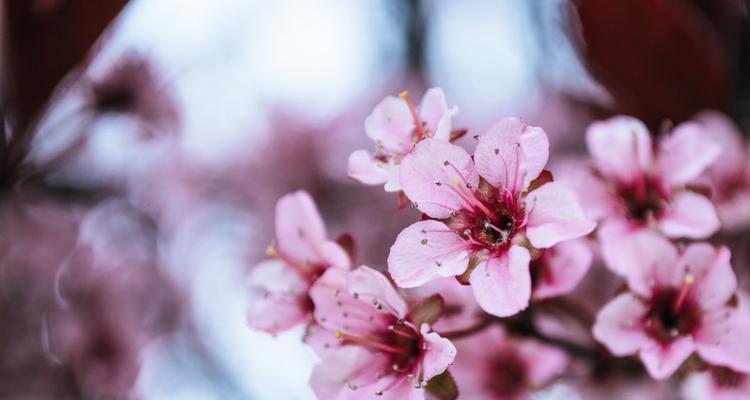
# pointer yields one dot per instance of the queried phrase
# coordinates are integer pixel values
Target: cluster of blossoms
(461, 309)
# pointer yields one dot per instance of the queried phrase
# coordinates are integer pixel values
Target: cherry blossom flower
(485, 214)
(678, 303)
(491, 365)
(728, 178)
(559, 269)
(301, 255)
(369, 341)
(717, 383)
(395, 126)
(632, 188)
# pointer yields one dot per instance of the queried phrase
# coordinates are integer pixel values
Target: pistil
(689, 279)
(417, 122)
(370, 343)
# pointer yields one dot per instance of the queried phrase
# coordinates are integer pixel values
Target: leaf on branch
(442, 387)
(428, 311)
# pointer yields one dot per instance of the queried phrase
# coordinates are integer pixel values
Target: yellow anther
(271, 251)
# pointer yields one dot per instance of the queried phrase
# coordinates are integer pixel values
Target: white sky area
(230, 62)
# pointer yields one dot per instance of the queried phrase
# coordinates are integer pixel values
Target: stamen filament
(689, 279)
(370, 343)
(417, 122)
(472, 197)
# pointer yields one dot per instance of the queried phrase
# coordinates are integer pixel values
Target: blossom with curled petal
(300, 256)
(492, 366)
(678, 303)
(369, 343)
(395, 126)
(484, 209)
(631, 188)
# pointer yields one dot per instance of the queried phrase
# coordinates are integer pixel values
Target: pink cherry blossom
(678, 303)
(631, 188)
(559, 269)
(395, 126)
(717, 383)
(484, 210)
(728, 178)
(368, 342)
(491, 365)
(302, 253)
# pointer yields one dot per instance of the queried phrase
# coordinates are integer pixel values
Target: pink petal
(391, 125)
(434, 173)
(543, 362)
(566, 264)
(690, 215)
(434, 112)
(299, 229)
(425, 251)
(595, 198)
(554, 215)
(338, 309)
(724, 131)
(685, 153)
(718, 339)
(662, 361)
(511, 154)
(372, 287)
(439, 355)
(279, 301)
(502, 285)
(365, 169)
(715, 282)
(617, 325)
(620, 147)
(702, 385)
(333, 255)
(652, 261)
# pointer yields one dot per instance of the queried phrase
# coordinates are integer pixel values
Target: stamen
(370, 343)
(417, 122)
(472, 197)
(689, 279)
(397, 331)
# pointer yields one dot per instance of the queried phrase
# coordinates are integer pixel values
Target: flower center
(507, 377)
(644, 199)
(673, 313)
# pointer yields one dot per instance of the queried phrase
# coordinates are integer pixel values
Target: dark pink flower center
(644, 198)
(672, 313)
(507, 376)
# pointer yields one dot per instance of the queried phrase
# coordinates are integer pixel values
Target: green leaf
(428, 311)
(442, 387)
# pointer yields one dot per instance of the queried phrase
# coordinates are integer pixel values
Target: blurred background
(144, 144)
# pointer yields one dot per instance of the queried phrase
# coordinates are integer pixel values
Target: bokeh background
(145, 143)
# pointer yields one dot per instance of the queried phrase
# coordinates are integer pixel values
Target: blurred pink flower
(395, 126)
(369, 341)
(491, 365)
(728, 178)
(678, 303)
(631, 188)
(492, 221)
(717, 383)
(301, 255)
(559, 269)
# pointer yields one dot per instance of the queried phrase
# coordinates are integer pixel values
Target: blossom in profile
(728, 178)
(301, 254)
(370, 342)
(631, 187)
(486, 215)
(395, 126)
(492, 365)
(717, 383)
(678, 303)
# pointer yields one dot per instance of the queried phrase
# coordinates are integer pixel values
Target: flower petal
(511, 154)
(620, 147)
(690, 215)
(596, 200)
(718, 338)
(617, 325)
(685, 153)
(365, 169)
(426, 251)
(502, 285)
(564, 265)
(439, 355)
(372, 287)
(715, 282)
(544, 362)
(434, 174)
(662, 361)
(434, 112)
(722, 130)
(279, 297)
(554, 215)
(391, 125)
(299, 229)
